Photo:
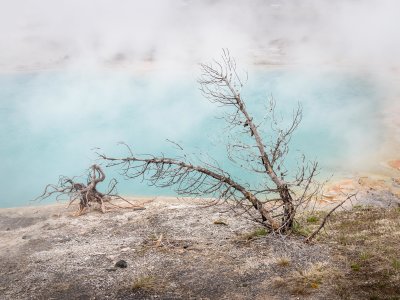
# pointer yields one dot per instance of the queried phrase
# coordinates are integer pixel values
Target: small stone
(111, 269)
(8, 229)
(185, 246)
(121, 264)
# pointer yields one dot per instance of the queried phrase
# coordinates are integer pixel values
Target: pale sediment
(175, 248)
(378, 189)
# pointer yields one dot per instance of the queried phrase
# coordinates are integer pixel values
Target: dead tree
(277, 200)
(87, 194)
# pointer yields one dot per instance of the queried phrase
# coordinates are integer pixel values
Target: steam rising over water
(53, 120)
(71, 78)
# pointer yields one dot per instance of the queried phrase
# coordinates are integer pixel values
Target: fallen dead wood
(87, 194)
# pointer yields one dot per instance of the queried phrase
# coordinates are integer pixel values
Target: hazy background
(95, 31)
(81, 74)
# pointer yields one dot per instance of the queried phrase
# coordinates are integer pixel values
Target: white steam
(37, 33)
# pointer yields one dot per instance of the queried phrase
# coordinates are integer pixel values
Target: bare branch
(190, 179)
(311, 236)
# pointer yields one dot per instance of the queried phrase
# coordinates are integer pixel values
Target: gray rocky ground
(174, 249)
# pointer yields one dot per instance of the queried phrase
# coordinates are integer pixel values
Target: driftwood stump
(87, 194)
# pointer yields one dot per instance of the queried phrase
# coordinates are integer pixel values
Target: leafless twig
(312, 235)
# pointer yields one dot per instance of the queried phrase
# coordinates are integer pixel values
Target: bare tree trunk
(281, 185)
(275, 204)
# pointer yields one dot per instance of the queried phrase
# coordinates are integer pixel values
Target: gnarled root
(87, 194)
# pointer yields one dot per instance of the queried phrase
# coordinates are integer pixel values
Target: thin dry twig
(312, 235)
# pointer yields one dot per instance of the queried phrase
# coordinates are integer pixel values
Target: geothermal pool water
(52, 120)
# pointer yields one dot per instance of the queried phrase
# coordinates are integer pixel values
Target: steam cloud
(186, 31)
